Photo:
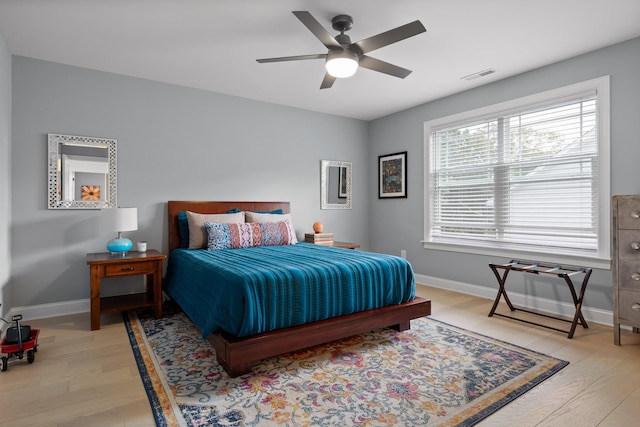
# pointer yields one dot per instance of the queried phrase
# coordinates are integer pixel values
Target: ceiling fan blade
(392, 36)
(317, 29)
(383, 67)
(293, 58)
(327, 82)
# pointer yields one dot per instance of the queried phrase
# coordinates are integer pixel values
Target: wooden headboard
(176, 206)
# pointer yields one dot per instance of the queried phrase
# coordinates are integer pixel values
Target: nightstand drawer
(629, 306)
(126, 269)
(629, 275)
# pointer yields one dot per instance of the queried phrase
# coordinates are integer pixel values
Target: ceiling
(213, 44)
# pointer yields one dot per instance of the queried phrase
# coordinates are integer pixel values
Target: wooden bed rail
(237, 354)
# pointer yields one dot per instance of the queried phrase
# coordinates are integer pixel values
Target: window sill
(557, 258)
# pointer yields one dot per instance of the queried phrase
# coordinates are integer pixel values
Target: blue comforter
(253, 290)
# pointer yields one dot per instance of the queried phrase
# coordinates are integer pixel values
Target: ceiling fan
(344, 57)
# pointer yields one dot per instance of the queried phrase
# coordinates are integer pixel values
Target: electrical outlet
(403, 254)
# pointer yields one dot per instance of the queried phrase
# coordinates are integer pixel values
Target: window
(526, 178)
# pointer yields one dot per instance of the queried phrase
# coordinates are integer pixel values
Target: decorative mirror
(82, 172)
(335, 184)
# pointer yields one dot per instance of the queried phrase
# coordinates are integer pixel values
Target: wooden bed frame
(236, 355)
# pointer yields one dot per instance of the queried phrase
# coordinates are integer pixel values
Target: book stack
(319, 238)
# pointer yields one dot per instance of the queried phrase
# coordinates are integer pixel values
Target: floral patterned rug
(434, 374)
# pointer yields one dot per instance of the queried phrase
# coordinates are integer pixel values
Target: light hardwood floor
(89, 378)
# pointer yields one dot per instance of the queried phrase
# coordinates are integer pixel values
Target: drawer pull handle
(635, 307)
(128, 269)
(635, 246)
(635, 214)
(635, 275)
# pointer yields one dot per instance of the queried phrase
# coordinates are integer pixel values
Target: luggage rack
(534, 267)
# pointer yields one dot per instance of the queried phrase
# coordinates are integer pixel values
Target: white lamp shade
(119, 219)
(341, 63)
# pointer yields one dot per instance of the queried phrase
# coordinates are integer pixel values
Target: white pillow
(267, 217)
(197, 231)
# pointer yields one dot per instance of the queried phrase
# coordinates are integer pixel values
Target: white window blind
(523, 179)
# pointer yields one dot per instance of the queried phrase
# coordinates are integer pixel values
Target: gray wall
(5, 173)
(397, 224)
(180, 143)
(174, 143)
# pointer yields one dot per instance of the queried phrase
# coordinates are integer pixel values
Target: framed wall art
(392, 172)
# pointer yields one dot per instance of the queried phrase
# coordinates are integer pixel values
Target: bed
(295, 306)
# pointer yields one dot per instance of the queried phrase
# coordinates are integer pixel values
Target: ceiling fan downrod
(342, 23)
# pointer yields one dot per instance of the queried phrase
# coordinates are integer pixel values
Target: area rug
(434, 374)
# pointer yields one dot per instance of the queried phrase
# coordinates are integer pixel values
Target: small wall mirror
(82, 172)
(335, 184)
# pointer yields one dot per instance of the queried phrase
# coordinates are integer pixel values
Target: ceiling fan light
(341, 63)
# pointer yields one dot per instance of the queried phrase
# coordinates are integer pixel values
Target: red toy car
(15, 344)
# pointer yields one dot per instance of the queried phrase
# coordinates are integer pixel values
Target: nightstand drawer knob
(635, 275)
(635, 214)
(635, 307)
(635, 246)
(128, 269)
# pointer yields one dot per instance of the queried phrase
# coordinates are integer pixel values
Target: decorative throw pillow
(268, 217)
(183, 225)
(246, 235)
(197, 232)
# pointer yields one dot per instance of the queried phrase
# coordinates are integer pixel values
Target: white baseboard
(553, 307)
(43, 311)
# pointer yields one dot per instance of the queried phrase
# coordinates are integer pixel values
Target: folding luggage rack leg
(538, 268)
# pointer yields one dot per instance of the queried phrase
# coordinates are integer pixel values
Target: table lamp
(119, 219)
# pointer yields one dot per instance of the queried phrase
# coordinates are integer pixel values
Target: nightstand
(104, 265)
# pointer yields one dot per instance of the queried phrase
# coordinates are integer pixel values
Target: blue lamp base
(119, 246)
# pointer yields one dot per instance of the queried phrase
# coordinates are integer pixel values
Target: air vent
(478, 74)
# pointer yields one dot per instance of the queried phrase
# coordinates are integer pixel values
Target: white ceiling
(213, 44)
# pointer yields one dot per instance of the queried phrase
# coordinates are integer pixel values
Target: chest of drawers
(626, 264)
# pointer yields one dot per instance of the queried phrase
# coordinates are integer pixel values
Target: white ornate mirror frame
(82, 172)
(335, 184)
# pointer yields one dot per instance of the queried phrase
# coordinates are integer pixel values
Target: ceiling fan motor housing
(343, 39)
